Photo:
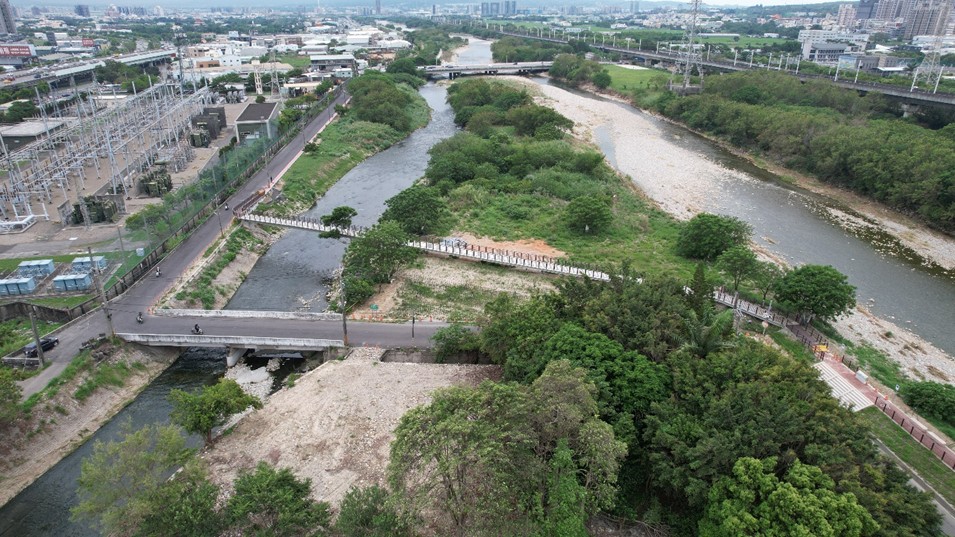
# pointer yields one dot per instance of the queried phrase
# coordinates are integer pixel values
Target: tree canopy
(706, 236)
(816, 291)
(211, 406)
(274, 502)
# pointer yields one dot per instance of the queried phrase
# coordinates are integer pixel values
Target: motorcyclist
(139, 317)
(197, 329)
(158, 273)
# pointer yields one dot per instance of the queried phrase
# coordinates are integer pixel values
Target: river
(293, 274)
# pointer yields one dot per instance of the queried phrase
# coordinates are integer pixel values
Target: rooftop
(257, 112)
(31, 128)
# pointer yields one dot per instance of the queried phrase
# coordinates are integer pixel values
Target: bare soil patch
(61, 424)
(335, 426)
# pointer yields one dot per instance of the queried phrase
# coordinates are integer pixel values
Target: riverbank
(345, 437)
(682, 182)
(60, 424)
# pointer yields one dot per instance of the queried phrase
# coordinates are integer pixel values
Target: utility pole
(36, 335)
(102, 294)
(341, 305)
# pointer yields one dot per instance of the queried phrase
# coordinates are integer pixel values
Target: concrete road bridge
(516, 68)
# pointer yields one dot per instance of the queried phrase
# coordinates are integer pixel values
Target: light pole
(219, 219)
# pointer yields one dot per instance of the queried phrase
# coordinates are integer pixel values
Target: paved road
(145, 293)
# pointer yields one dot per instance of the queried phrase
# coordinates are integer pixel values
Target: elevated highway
(81, 69)
(911, 96)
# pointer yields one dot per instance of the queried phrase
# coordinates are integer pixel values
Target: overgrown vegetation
(350, 140)
(16, 333)
(834, 134)
(203, 291)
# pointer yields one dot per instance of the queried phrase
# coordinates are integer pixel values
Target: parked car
(46, 343)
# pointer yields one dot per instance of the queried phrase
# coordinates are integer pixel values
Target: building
(890, 10)
(813, 44)
(926, 17)
(866, 9)
(257, 120)
(7, 23)
(490, 9)
(82, 11)
(847, 16)
(329, 62)
(510, 7)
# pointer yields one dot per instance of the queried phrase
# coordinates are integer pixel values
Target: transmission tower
(274, 82)
(689, 57)
(930, 70)
(258, 80)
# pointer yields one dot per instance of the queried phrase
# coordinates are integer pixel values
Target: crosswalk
(842, 389)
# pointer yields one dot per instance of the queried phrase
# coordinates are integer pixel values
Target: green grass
(925, 463)
(873, 362)
(294, 60)
(79, 364)
(202, 290)
(60, 302)
(341, 147)
(103, 375)
(15, 333)
(792, 347)
(626, 80)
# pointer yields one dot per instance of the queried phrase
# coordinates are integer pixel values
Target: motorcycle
(139, 318)
(158, 273)
(196, 331)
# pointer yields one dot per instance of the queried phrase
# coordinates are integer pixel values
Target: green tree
(209, 407)
(183, 506)
(528, 119)
(816, 291)
(118, 480)
(10, 394)
(420, 210)
(20, 110)
(588, 214)
(931, 399)
(370, 512)
(403, 65)
(259, 99)
(738, 262)
(340, 217)
(700, 292)
(274, 502)
(455, 340)
(378, 254)
(708, 333)
(564, 512)
(602, 79)
(765, 277)
(754, 502)
(706, 236)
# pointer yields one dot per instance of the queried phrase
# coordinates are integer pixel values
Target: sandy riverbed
(682, 180)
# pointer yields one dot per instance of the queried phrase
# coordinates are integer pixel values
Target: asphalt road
(149, 289)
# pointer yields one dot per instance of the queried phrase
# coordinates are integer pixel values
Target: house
(258, 119)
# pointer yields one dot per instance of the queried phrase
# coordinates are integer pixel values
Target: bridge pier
(908, 109)
(234, 354)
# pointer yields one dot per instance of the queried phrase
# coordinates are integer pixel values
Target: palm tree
(708, 332)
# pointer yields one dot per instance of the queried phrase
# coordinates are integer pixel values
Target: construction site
(104, 157)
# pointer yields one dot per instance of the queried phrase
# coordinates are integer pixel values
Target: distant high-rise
(847, 16)
(7, 23)
(866, 9)
(377, 7)
(510, 7)
(490, 9)
(634, 6)
(82, 11)
(889, 10)
(926, 17)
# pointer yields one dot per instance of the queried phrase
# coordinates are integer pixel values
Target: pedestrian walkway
(842, 388)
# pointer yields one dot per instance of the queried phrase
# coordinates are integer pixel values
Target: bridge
(79, 69)
(459, 249)
(516, 68)
(914, 95)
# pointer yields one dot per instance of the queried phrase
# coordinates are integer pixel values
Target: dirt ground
(61, 424)
(336, 424)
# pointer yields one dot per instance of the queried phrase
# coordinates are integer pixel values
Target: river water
(293, 273)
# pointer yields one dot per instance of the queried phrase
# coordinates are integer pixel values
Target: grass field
(928, 466)
(626, 80)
